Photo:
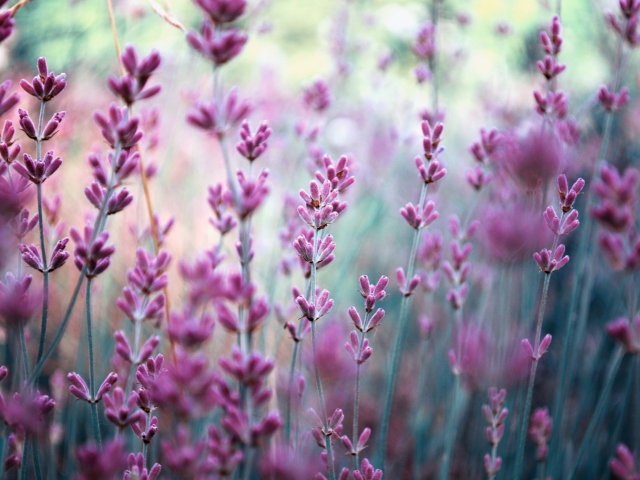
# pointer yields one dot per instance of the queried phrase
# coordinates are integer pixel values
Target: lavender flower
(46, 86)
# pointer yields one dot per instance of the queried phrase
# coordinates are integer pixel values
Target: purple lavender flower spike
(551, 261)
(219, 46)
(317, 96)
(624, 465)
(21, 224)
(613, 101)
(626, 333)
(101, 463)
(93, 255)
(253, 145)
(131, 86)
(38, 171)
(17, 303)
(117, 128)
(540, 432)
(10, 101)
(138, 471)
(425, 45)
(367, 472)
(46, 85)
(552, 44)
(222, 11)
(118, 412)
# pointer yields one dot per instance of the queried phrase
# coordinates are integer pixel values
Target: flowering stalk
(567, 222)
(581, 290)
(418, 218)
(323, 408)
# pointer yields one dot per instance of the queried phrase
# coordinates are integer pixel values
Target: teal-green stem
(25, 456)
(97, 228)
(92, 379)
(233, 185)
(292, 371)
(356, 401)
(583, 282)
(43, 250)
(392, 376)
(45, 276)
(559, 8)
(420, 414)
(522, 437)
(450, 432)
(604, 395)
(25, 353)
(636, 413)
(36, 461)
(323, 408)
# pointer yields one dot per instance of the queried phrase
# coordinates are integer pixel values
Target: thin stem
(43, 249)
(92, 380)
(323, 408)
(97, 228)
(397, 347)
(532, 378)
(292, 371)
(450, 432)
(25, 456)
(356, 401)
(356, 408)
(325, 420)
(45, 277)
(25, 353)
(615, 365)
(114, 31)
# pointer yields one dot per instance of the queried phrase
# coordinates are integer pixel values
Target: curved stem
(522, 437)
(92, 378)
(615, 365)
(397, 347)
(25, 354)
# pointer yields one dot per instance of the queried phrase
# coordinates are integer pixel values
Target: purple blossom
(540, 432)
(253, 145)
(549, 261)
(219, 46)
(217, 119)
(46, 85)
(91, 253)
(626, 333)
(106, 463)
(17, 303)
(317, 96)
(131, 87)
(37, 171)
(118, 128)
(222, 11)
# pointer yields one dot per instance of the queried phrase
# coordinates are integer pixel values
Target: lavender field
(337, 239)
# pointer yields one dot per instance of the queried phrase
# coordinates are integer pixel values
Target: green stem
(450, 432)
(292, 371)
(25, 456)
(45, 276)
(397, 347)
(532, 378)
(92, 381)
(25, 354)
(615, 365)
